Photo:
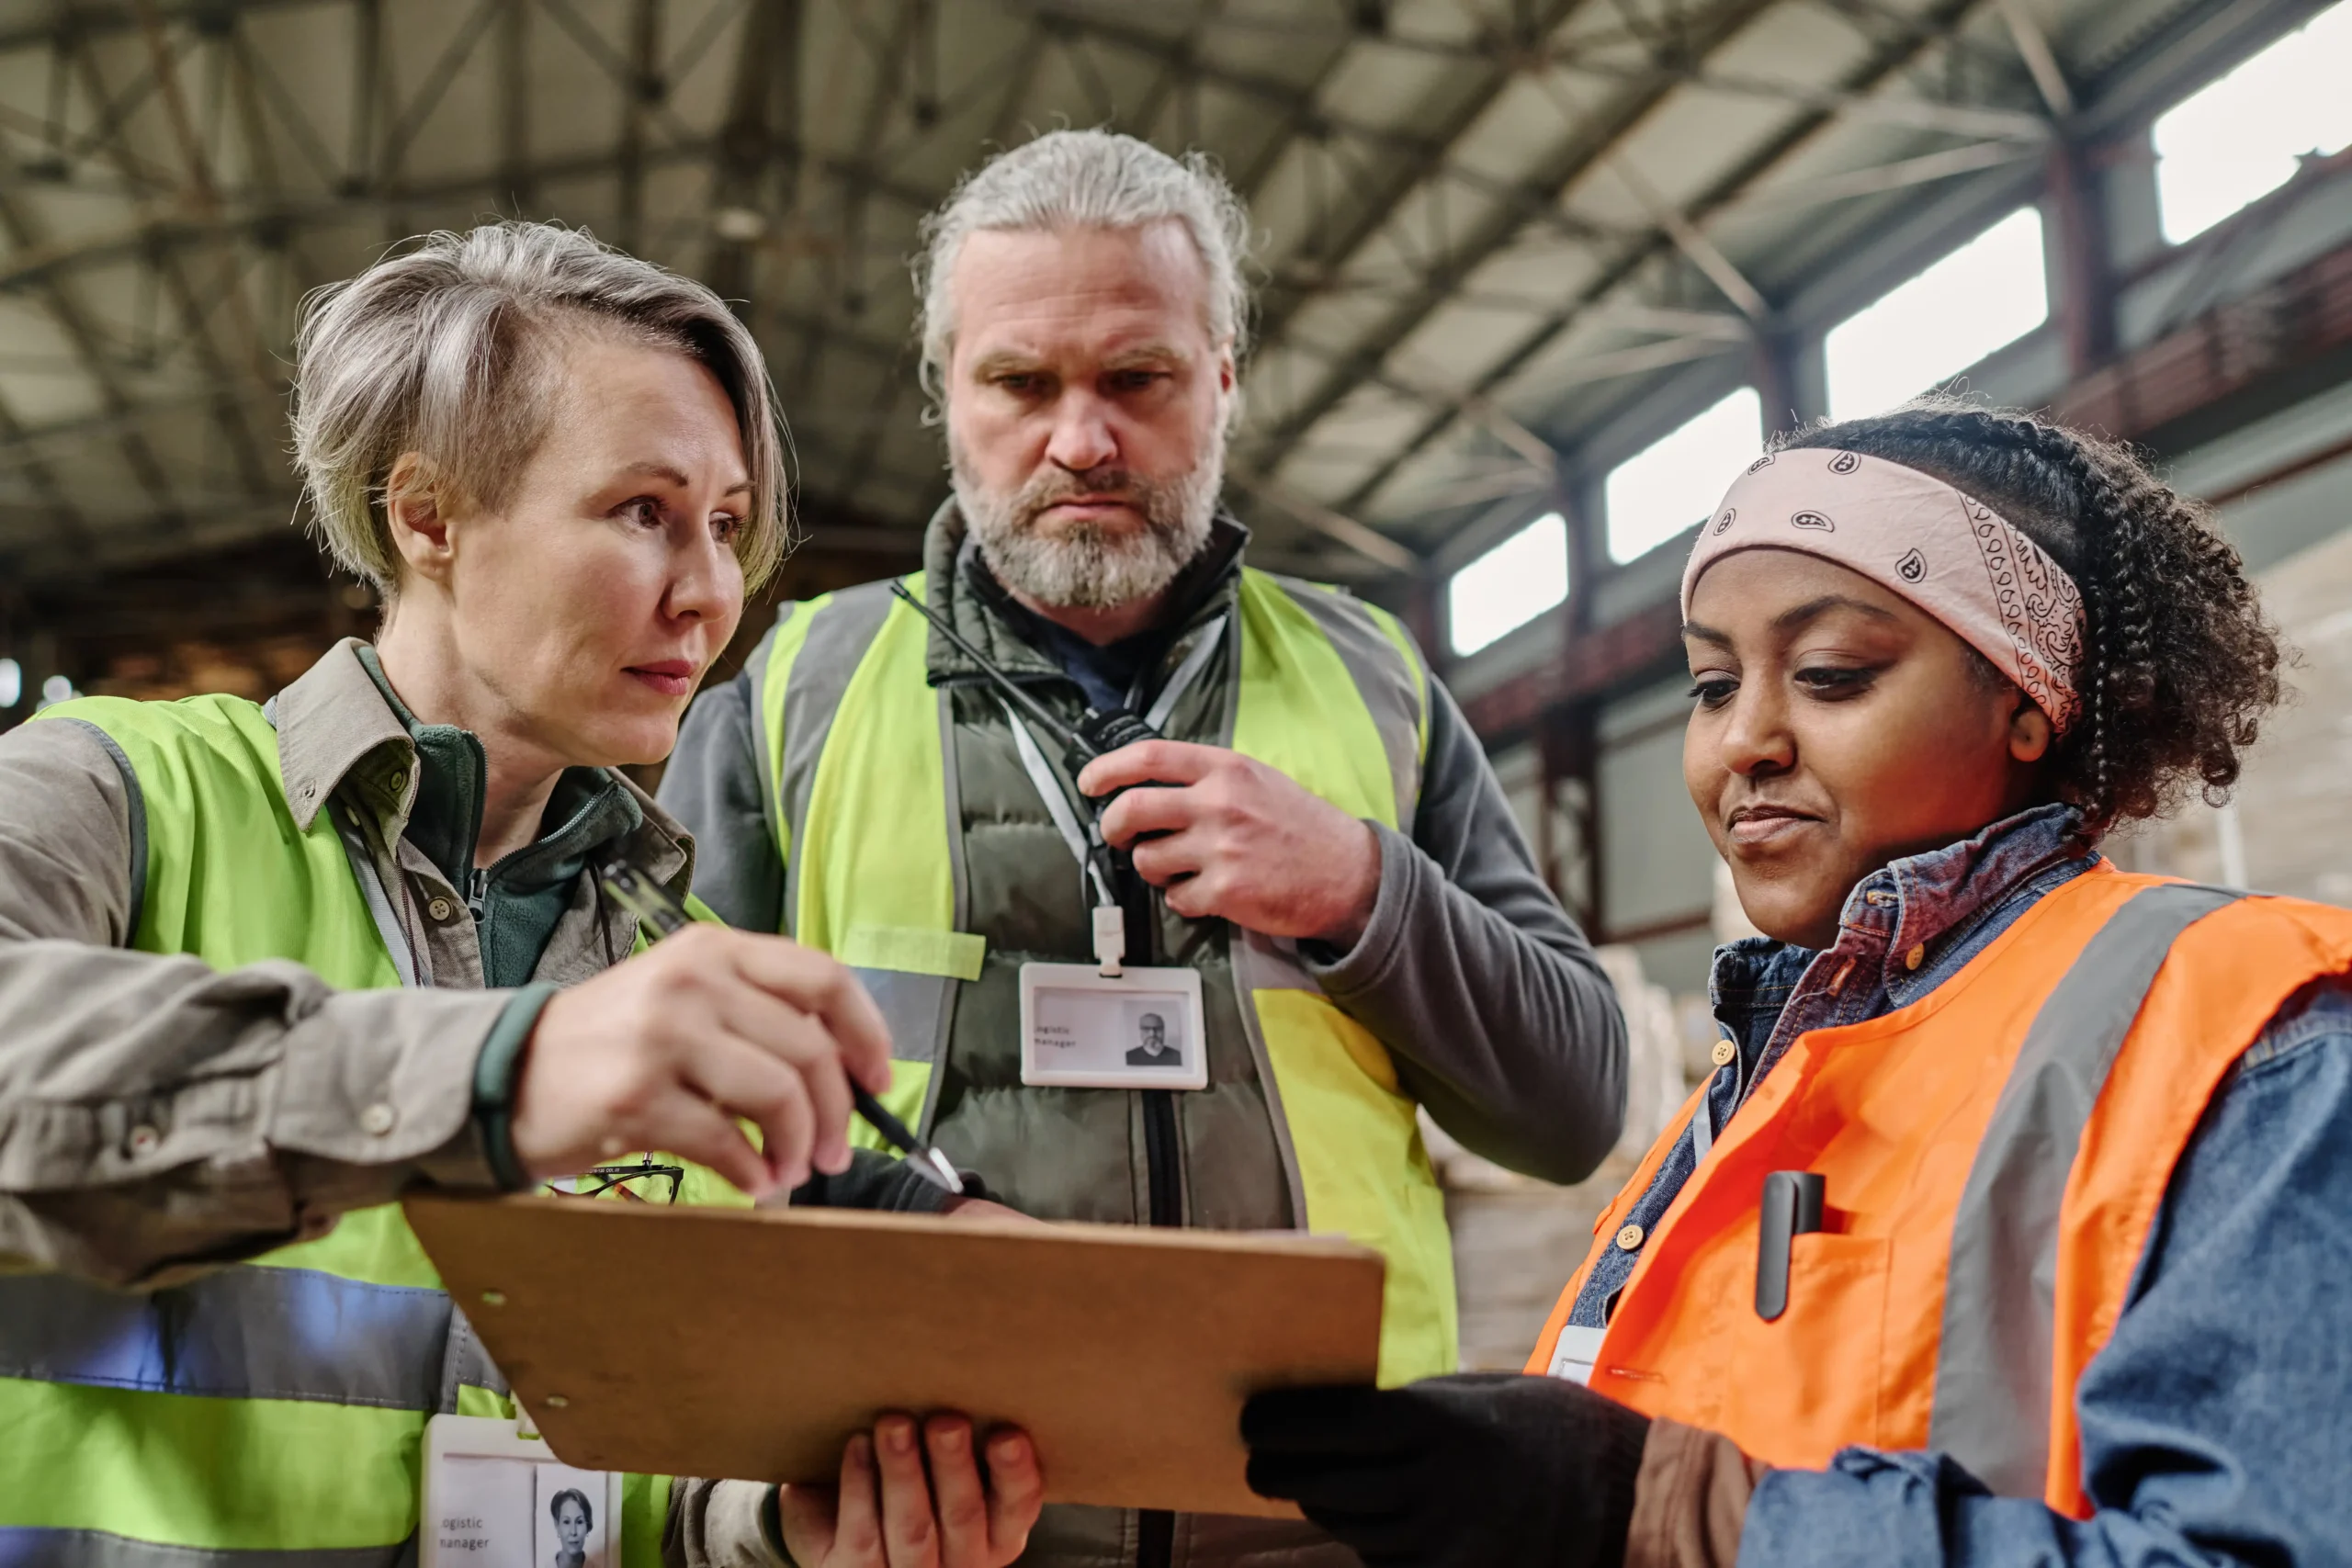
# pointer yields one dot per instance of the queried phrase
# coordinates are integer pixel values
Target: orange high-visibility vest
(1993, 1157)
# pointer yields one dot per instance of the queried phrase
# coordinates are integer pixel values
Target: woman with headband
(2011, 1225)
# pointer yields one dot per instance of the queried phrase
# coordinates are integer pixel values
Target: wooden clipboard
(750, 1344)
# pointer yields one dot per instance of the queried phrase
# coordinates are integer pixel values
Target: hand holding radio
(1228, 836)
(1224, 835)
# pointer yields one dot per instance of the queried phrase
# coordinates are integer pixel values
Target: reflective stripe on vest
(24, 1547)
(854, 743)
(1994, 1156)
(242, 1333)
(1350, 1131)
(1991, 1404)
(884, 902)
(275, 1406)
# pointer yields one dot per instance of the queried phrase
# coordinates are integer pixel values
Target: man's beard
(1084, 565)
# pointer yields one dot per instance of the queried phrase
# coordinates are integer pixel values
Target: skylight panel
(2242, 137)
(1674, 483)
(1509, 585)
(1990, 292)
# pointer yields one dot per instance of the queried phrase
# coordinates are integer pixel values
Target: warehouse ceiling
(1486, 225)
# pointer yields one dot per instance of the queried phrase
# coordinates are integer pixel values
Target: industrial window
(1673, 484)
(1509, 585)
(1991, 292)
(2242, 137)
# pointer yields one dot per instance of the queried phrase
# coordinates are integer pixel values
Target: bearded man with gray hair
(1306, 837)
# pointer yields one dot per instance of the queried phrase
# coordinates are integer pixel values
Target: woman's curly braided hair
(2180, 662)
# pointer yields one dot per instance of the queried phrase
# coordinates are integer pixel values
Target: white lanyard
(1085, 842)
(1082, 841)
(1085, 845)
(1186, 673)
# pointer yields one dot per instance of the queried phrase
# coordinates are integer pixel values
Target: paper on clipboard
(750, 1344)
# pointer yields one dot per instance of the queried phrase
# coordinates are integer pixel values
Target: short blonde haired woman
(265, 968)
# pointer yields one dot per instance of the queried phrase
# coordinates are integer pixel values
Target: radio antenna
(1039, 712)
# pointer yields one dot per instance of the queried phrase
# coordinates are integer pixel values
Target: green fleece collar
(589, 806)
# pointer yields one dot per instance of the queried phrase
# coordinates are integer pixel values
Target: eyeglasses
(634, 1182)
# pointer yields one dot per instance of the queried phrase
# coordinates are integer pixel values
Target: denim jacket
(2217, 1422)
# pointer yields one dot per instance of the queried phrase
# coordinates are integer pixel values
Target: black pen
(660, 914)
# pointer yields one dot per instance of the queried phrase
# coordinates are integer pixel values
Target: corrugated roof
(1487, 224)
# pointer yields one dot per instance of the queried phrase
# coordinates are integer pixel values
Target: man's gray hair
(452, 348)
(1086, 179)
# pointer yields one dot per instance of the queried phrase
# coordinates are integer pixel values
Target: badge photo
(1141, 1028)
(495, 1497)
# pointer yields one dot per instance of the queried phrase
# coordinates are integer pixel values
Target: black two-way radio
(1097, 733)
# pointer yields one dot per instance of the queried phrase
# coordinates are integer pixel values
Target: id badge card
(1139, 1029)
(496, 1497)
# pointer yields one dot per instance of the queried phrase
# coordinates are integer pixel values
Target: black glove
(1485, 1470)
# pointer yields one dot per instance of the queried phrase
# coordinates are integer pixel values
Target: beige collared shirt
(158, 1116)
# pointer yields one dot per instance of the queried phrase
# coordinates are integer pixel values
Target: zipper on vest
(1163, 1176)
(477, 893)
(1155, 1529)
(1165, 1181)
(1163, 1173)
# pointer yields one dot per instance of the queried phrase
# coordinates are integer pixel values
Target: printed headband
(1948, 554)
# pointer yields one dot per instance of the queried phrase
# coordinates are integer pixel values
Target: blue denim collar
(1943, 906)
